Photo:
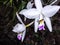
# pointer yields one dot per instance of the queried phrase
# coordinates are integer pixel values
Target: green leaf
(2, 0)
(22, 5)
(11, 1)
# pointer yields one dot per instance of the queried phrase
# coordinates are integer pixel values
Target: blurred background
(8, 20)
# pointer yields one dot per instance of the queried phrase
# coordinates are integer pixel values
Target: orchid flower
(40, 13)
(47, 11)
(21, 30)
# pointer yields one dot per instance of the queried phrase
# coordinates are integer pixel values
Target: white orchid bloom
(21, 30)
(40, 13)
(47, 11)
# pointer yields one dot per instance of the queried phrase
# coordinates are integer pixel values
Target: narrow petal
(18, 28)
(50, 11)
(30, 13)
(29, 5)
(38, 4)
(25, 18)
(19, 18)
(53, 2)
(48, 23)
(23, 36)
(36, 25)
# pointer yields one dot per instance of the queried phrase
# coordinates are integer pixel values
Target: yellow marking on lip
(41, 21)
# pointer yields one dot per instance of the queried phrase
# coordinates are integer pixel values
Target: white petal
(48, 23)
(19, 18)
(22, 11)
(29, 5)
(38, 4)
(36, 25)
(23, 35)
(40, 17)
(50, 11)
(18, 28)
(30, 13)
(25, 18)
(53, 2)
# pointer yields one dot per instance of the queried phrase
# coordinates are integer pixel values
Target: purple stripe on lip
(41, 27)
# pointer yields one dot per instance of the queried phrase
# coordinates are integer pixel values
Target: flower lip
(41, 27)
(19, 36)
